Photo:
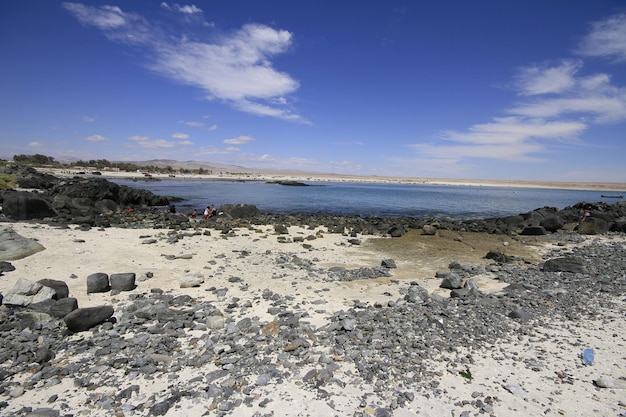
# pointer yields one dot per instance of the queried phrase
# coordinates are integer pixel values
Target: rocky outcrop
(238, 211)
(77, 199)
(23, 205)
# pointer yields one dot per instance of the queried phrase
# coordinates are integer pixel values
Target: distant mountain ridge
(162, 163)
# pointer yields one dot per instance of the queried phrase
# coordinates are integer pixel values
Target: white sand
(257, 175)
(71, 255)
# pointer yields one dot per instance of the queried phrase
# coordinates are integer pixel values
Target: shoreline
(302, 177)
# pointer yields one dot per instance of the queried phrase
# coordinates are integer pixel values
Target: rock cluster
(386, 350)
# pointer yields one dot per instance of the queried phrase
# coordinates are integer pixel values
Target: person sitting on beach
(194, 214)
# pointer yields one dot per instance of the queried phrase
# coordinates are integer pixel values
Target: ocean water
(367, 200)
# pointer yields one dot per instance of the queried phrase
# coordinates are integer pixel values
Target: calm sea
(367, 199)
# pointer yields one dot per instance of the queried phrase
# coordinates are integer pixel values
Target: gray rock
(521, 314)
(451, 281)
(98, 282)
(191, 280)
(61, 290)
(533, 231)
(516, 389)
(565, 264)
(63, 307)
(23, 205)
(603, 382)
(83, 319)
(123, 281)
(429, 230)
(14, 246)
(593, 226)
(388, 263)
(44, 412)
(25, 292)
(460, 293)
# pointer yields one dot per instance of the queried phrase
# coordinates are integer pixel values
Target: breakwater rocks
(220, 356)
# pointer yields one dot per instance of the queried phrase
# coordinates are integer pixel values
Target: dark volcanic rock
(83, 319)
(61, 290)
(240, 210)
(552, 223)
(98, 282)
(593, 226)
(63, 307)
(123, 281)
(564, 264)
(22, 205)
(533, 231)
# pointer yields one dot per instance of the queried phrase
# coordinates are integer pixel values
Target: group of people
(209, 211)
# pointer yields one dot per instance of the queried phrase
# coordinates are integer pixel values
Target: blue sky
(527, 90)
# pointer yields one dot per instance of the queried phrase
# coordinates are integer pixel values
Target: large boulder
(564, 264)
(94, 189)
(83, 319)
(14, 246)
(123, 281)
(238, 211)
(63, 307)
(593, 226)
(552, 223)
(25, 292)
(24, 205)
(61, 290)
(98, 282)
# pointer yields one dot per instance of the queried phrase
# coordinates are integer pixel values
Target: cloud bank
(234, 67)
(557, 103)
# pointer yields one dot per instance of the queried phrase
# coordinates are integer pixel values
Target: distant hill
(162, 163)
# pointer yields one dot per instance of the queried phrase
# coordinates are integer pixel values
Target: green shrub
(7, 182)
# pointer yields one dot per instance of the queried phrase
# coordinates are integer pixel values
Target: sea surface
(368, 200)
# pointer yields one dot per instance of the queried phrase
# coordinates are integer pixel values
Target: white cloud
(88, 119)
(603, 109)
(95, 138)
(235, 67)
(535, 79)
(240, 140)
(146, 142)
(35, 144)
(606, 39)
(592, 95)
(559, 104)
(182, 9)
(213, 127)
(514, 130)
(180, 135)
(104, 17)
(192, 124)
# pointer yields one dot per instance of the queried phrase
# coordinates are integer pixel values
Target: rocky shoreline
(264, 334)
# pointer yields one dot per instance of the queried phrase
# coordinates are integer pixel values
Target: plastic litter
(588, 356)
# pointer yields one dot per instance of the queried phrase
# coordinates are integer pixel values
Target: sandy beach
(321, 177)
(245, 262)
